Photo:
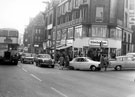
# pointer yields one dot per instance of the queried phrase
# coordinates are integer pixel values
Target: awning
(63, 47)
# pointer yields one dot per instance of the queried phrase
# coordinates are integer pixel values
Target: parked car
(122, 62)
(84, 63)
(130, 55)
(44, 60)
(27, 58)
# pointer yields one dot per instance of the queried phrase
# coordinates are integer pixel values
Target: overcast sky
(16, 13)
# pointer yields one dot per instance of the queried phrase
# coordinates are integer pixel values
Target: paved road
(27, 80)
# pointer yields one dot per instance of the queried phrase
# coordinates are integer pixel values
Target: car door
(125, 62)
(130, 63)
(118, 61)
(83, 64)
(76, 63)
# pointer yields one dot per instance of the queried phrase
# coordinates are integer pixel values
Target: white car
(84, 63)
(122, 62)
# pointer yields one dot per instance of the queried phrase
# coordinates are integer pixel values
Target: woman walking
(61, 62)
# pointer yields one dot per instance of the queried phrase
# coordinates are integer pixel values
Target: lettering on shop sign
(97, 42)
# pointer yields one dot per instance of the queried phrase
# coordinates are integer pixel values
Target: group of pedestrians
(63, 61)
(104, 62)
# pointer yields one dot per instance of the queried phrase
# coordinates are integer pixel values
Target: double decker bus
(8, 45)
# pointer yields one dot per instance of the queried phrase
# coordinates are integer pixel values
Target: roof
(9, 29)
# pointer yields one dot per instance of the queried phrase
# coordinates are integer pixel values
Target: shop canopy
(63, 47)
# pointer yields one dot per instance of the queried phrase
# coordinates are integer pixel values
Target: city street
(26, 80)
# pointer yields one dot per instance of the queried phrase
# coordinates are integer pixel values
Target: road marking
(59, 92)
(24, 70)
(36, 77)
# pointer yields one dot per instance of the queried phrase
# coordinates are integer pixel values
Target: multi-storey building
(34, 34)
(50, 22)
(82, 25)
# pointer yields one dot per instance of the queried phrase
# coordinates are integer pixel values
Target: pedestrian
(101, 61)
(61, 62)
(106, 62)
(66, 61)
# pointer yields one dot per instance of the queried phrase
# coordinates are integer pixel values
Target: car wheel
(93, 68)
(118, 68)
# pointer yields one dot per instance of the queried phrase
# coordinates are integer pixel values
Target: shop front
(91, 47)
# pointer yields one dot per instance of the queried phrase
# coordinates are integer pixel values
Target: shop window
(99, 14)
(70, 33)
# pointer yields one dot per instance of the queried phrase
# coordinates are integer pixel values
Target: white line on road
(36, 77)
(59, 92)
(24, 70)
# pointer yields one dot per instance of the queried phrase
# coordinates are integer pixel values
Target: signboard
(97, 42)
(36, 45)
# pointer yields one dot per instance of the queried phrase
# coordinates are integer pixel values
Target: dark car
(44, 60)
(27, 58)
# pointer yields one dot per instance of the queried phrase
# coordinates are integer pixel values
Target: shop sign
(97, 42)
(49, 27)
(36, 45)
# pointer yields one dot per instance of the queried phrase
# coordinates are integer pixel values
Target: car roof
(123, 56)
(130, 54)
